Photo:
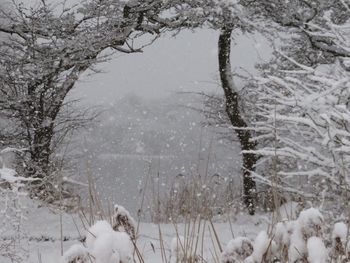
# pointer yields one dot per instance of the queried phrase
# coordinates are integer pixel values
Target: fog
(145, 130)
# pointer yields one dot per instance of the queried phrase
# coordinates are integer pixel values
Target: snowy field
(43, 234)
(33, 233)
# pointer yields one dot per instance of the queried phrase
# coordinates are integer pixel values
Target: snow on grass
(317, 252)
(76, 253)
(340, 231)
(43, 227)
(113, 247)
(106, 245)
(308, 224)
(237, 249)
(283, 232)
(260, 246)
(99, 228)
(40, 230)
(123, 221)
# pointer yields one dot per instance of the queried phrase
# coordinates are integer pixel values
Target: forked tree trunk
(239, 124)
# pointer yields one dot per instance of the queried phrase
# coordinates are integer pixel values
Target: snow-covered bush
(123, 221)
(113, 247)
(237, 250)
(264, 248)
(12, 210)
(309, 224)
(241, 249)
(339, 240)
(301, 240)
(299, 111)
(303, 132)
(317, 252)
(282, 236)
(104, 243)
(99, 228)
(76, 254)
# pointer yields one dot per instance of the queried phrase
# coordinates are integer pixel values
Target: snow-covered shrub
(76, 254)
(295, 241)
(237, 250)
(282, 236)
(301, 115)
(12, 210)
(302, 132)
(104, 243)
(241, 249)
(12, 243)
(339, 240)
(309, 224)
(123, 221)
(113, 247)
(263, 247)
(108, 246)
(317, 252)
(99, 228)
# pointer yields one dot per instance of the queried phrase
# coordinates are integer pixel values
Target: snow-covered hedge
(291, 241)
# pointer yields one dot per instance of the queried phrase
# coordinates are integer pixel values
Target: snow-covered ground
(33, 233)
(43, 234)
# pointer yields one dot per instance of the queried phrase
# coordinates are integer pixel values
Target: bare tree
(227, 16)
(44, 51)
(301, 154)
(234, 114)
(299, 23)
(311, 44)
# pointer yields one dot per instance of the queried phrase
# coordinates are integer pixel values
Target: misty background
(148, 128)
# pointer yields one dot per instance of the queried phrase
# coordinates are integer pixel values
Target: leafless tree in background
(43, 52)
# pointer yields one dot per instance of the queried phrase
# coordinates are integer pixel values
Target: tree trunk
(239, 124)
(40, 167)
(41, 150)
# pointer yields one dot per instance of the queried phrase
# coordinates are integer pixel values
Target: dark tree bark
(239, 124)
